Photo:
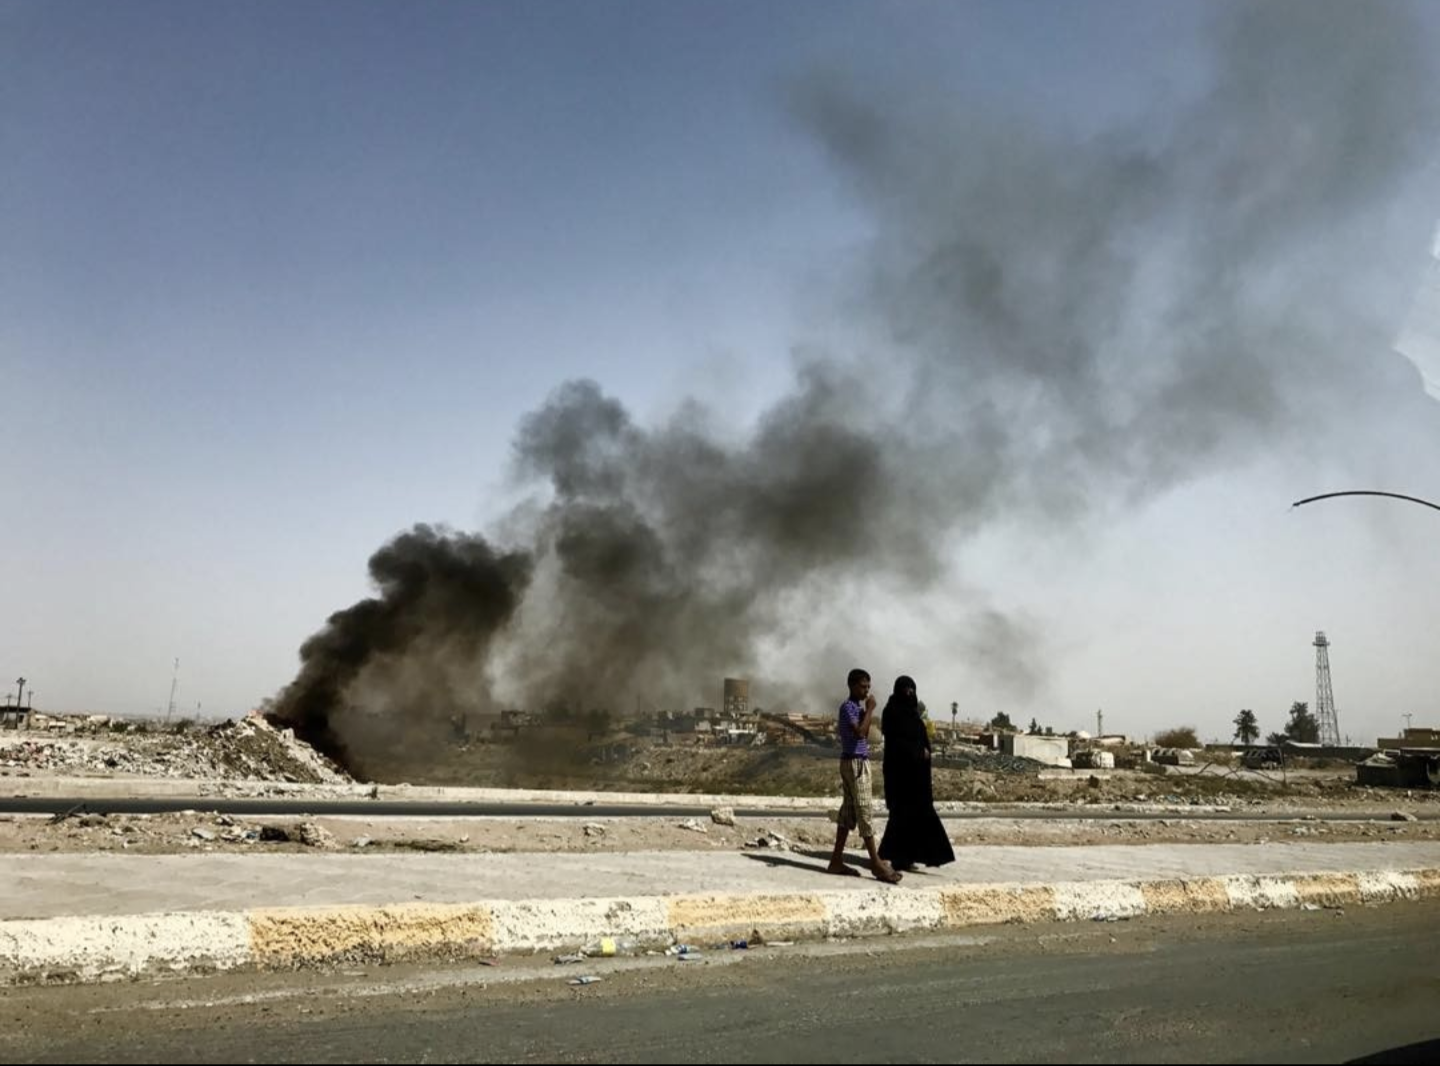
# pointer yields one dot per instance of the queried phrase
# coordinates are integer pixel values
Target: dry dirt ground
(967, 775)
(204, 831)
(252, 753)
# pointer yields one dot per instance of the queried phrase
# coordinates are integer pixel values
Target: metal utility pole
(174, 682)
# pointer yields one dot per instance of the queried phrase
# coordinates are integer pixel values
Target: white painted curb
(98, 947)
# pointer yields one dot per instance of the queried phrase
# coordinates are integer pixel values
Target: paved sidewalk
(78, 917)
(46, 886)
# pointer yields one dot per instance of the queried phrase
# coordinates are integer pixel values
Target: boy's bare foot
(887, 873)
(842, 870)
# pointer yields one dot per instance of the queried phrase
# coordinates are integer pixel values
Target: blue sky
(279, 280)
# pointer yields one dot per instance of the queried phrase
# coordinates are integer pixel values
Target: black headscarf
(904, 694)
(900, 722)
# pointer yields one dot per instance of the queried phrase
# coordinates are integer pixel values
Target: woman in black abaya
(913, 832)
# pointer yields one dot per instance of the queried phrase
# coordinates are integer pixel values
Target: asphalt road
(1279, 987)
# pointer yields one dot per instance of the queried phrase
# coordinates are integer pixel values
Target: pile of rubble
(162, 833)
(995, 762)
(253, 744)
(250, 749)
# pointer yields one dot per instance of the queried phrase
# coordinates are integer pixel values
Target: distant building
(736, 697)
(1411, 738)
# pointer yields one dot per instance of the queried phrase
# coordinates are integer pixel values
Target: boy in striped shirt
(855, 718)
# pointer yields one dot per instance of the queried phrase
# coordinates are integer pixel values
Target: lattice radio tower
(1325, 715)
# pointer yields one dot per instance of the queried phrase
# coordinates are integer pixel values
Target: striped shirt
(852, 744)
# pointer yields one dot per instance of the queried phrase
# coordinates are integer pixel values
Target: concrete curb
(89, 948)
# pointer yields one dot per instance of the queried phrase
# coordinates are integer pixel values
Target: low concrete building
(1410, 738)
(1052, 751)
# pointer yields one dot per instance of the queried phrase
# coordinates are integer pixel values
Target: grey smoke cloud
(1064, 324)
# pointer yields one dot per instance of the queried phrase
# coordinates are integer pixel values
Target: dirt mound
(253, 749)
(249, 749)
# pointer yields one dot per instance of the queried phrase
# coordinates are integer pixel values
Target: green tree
(1303, 726)
(1247, 729)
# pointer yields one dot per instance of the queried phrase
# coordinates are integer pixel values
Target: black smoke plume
(1048, 326)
